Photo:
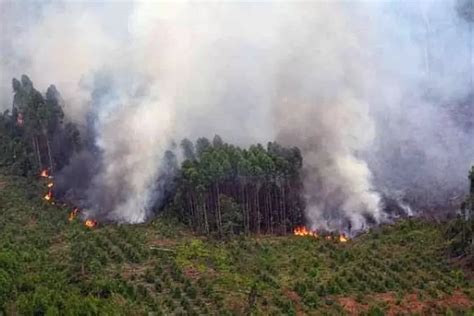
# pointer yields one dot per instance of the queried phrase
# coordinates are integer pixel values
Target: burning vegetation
(89, 223)
(218, 188)
(73, 214)
(317, 275)
(303, 231)
(48, 196)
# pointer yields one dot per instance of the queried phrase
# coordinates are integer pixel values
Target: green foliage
(51, 266)
(34, 136)
(232, 219)
(228, 190)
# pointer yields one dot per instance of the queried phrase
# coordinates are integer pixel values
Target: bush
(375, 311)
(158, 286)
(6, 286)
(191, 292)
(311, 300)
(176, 293)
(300, 288)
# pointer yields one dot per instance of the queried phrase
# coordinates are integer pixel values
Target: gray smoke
(376, 95)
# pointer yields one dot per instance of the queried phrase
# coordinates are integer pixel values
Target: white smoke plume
(363, 88)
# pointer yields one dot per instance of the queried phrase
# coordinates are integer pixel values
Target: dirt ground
(410, 304)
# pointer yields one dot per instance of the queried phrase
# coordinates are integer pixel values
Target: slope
(49, 265)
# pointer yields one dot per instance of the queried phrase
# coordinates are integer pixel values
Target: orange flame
(44, 173)
(73, 214)
(303, 231)
(343, 238)
(90, 223)
(48, 196)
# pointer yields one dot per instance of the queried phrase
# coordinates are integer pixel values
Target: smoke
(376, 95)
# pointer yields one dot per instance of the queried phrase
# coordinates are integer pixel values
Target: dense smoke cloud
(373, 94)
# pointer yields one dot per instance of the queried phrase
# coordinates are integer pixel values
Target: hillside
(49, 265)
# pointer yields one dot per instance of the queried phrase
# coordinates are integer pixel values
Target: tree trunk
(257, 208)
(206, 223)
(194, 211)
(37, 152)
(246, 205)
(49, 155)
(283, 208)
(244, 208)
(219, 215)
(271, 209)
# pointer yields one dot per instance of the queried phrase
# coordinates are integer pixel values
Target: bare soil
(410, 304)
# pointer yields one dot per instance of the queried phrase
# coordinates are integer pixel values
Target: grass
(51, 266)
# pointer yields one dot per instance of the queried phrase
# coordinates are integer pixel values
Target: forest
(34, 135)
(218, 188)
(227, 189)
(221, 240)
(237, 158)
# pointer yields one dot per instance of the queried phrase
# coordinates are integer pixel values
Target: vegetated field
(49, 265)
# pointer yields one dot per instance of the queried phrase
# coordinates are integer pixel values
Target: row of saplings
(163, 288)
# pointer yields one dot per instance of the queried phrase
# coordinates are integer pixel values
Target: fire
(50, 185)
(90, 223)
(44, 173)
(48, 196)
(73, 214)
(303, 231)
(343, 238)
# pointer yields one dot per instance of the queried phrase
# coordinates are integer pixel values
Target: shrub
(158, 286)
(191, 292)
(300, 288)
(311, 300)
(176, 293)
(375, 311)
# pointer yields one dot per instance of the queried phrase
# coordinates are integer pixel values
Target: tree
(460, 232)
(217, 142)
(202, 145)
(232, 220)
(188, 149)
(34, 133)
(263, 185)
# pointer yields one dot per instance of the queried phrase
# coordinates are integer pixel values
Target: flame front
(73, 214)
(303, 231)
(90, 223)
(343, 238)
(48, 196)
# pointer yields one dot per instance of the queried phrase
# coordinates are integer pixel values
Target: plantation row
(49, 265)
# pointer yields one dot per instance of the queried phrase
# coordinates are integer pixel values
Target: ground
(49, 265)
